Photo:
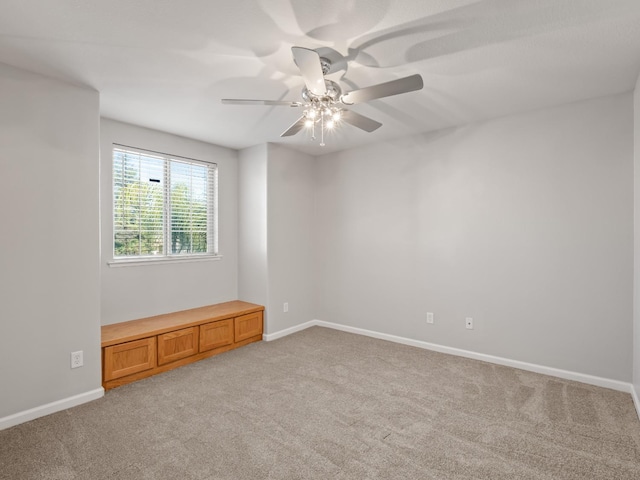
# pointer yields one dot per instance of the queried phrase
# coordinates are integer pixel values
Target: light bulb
(311, 113)
(330, 124)
(336, 115)
(308, 123)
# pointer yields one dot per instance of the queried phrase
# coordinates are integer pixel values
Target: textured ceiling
(165, 64)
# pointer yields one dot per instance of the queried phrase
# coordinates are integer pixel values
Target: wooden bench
(141, 348)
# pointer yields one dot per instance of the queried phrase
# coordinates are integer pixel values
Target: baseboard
(49, 408)
(636, 398)
(288, 331)
(531, 367)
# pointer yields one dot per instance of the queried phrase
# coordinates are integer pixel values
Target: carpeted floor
(323, 404)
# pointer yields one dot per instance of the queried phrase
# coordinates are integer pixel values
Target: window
(163, 206)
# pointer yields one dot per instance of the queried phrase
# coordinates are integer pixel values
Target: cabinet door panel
(173, 346)
(248, 326)
(130, 357)
(216, 334)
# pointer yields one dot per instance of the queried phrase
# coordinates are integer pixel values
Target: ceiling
(166, 64)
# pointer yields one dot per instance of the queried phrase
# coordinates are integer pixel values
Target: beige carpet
(322, 404)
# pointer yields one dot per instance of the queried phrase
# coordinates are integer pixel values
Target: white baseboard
(49, 408)
(288, 331)
(531, 367)
(636, 398)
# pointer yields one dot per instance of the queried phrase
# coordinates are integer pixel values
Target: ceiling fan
(323, 101)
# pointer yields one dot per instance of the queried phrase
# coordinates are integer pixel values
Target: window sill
(126, 262)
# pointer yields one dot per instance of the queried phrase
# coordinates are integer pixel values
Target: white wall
(290, 237)
(524, 223)
(252, 226)
(275, 233)
(49, 278)
(139, 291)
(636, 286)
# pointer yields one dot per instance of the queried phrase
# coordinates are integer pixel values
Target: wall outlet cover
(77, 359)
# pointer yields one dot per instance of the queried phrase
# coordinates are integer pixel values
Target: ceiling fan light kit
(323, 101)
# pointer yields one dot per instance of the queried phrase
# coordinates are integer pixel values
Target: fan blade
(394, 87)
(308, 62)
(360, 121)
(240, 101)
(295, 128)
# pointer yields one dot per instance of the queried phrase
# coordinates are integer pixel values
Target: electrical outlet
(285, 307)
(469, 323)
(429, 317)
(76, 359)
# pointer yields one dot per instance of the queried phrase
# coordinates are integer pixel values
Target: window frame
(212, 212)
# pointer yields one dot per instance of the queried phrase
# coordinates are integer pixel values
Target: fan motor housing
(334, 92)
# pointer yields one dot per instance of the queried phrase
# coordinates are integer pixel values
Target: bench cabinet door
(128, 358)
(179, 344)
(248, 326)
(216, 334)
